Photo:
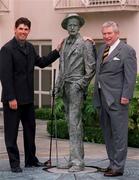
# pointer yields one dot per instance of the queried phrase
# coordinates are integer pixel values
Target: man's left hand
(124, 101)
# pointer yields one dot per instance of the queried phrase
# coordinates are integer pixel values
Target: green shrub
(59, 109)
(92, 131)
(43, 113)
(133, 138)
(92, 134)
(90, 116)
(137, 83)
(136, 91)
(62, 128)
(134, 113)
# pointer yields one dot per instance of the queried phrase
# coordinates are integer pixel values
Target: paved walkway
(95, 155)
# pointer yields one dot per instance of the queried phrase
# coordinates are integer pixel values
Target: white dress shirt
(114, 46)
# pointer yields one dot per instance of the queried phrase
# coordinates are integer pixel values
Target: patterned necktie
(106, 52)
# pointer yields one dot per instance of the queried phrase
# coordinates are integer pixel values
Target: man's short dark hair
(23, 20)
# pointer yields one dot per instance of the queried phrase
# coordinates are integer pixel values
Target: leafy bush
(137, 83)
(92, 132)
(90, 116)
(59, 109)
(62, 128)
(134, 113)
(46, 112)
(136, 91)
(43, 113)
(133, 138)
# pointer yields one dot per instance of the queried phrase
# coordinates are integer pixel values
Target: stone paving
(95, 155)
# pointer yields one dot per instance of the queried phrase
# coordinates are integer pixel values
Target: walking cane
(48, 163)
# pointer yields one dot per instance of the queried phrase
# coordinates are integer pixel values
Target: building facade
(46, 30)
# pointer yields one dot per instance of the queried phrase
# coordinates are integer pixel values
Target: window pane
(45, 49)
(42, 48)
(46, 100)
(36, 100)
(36, 48)
(36, 80)
(46, 80)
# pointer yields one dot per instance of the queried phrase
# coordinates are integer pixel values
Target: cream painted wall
(6, 28)
(6, 24)
(128, 24)
(46, 23)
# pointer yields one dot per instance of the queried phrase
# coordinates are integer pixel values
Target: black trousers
(26, 114)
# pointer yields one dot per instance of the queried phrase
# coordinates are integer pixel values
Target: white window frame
(39, 91)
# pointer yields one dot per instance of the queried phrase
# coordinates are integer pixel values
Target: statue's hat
(65, 20)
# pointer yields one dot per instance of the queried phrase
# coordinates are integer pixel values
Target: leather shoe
(103, 169)
(113, 173)
(37, 164)
(16, 170)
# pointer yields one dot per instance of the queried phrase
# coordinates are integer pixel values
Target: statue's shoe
(64, 166)
(76, 168)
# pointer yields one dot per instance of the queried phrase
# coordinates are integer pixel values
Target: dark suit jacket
(117, 75)
(17, 71)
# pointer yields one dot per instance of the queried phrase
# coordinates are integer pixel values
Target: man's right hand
(85, 38)
(59, 46)
(13, 104)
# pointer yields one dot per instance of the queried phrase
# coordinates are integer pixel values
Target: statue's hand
(76, 86)
(85, 38)
(57, 92)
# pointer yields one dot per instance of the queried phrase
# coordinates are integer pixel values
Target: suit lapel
(71, 50)
(62, 56)
(74, 46)
(113, 53)
(16, 46)
(101, 54)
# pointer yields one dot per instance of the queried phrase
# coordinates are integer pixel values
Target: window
(42, 77)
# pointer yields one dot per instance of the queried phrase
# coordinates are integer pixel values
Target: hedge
(92, 131)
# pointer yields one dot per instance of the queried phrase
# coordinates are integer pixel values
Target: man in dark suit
(17, 61)
(115, 79)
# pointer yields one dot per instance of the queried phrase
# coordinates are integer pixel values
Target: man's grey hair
(112, 24)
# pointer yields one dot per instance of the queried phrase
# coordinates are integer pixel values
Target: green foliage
(62, 128)
(133, 138)
(136, 91)
(59, 109)
(92, 134)
(134, 113)
(90, 116)
(92, 131)
(43, 113)
(133, 128)
(46, 112)
(137, 83)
